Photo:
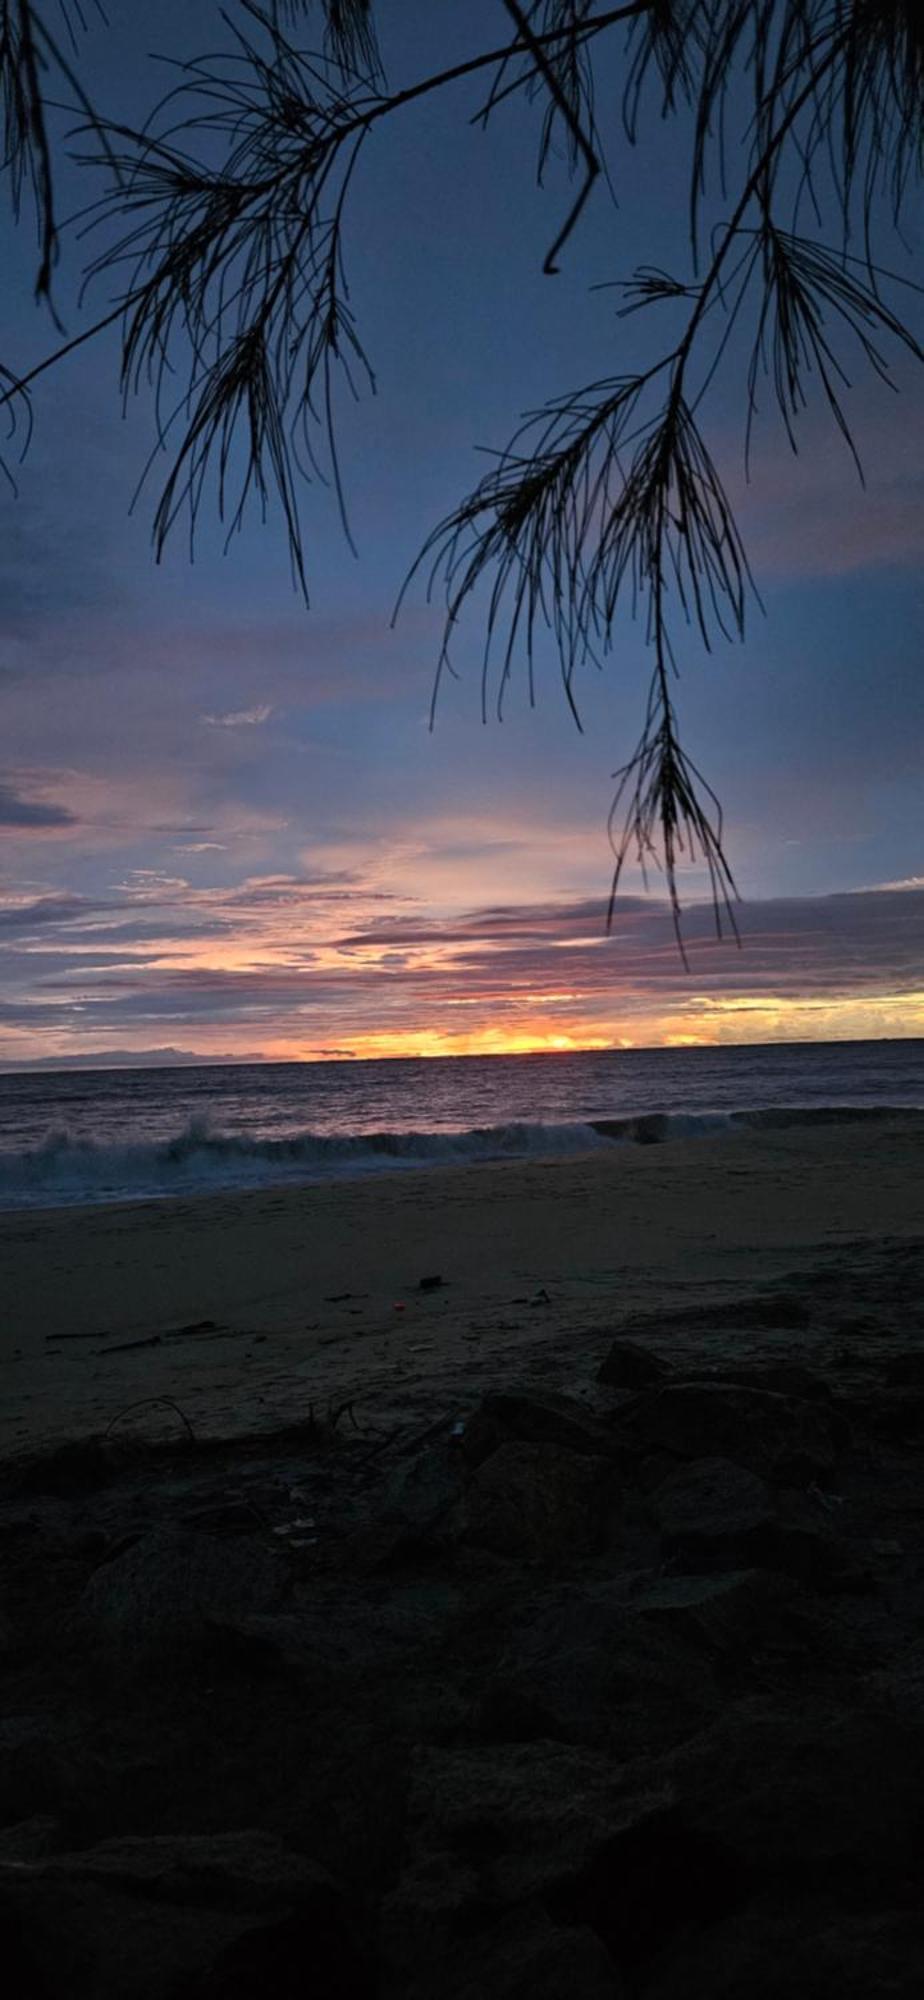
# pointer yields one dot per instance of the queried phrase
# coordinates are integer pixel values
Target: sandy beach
(247, 1308)
(550, 1630)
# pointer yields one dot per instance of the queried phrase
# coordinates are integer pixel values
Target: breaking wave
(197, 1160)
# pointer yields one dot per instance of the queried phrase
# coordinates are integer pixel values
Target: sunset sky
(225, 827)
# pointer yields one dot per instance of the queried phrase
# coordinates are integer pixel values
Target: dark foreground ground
(614, 1694)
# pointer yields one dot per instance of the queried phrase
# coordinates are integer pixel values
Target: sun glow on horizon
(421, 1043)
(282, 969)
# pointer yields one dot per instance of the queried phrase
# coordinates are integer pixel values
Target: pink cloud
(269, 960)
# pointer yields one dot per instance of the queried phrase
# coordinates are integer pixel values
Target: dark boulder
(78, 1468)
(906, 1371)
(540, 1502)
(714, 1516)
(420, 1494)
(30, 1839)
(783, 1438)
(180, 1917)
(594, 1844)
(896, 1414)
(786, 1378)
(171, 1589)
(493, 1829)
(523, 1417)
(816, 1794)
(742, 1620)
(778, 1953)
(584, 1667)
(43, 1764)
(524, 1957)
(628, 1365)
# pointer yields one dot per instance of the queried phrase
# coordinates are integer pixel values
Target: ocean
(80, 1136)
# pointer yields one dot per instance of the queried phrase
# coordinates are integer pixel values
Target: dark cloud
(531, 920)
(814, 951)
(851, 942)
(15, 810)
(46, 912)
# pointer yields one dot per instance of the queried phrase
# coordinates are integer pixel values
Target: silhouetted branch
(30, 56)
(572, 523)
(349, 32)
(569, 86)
(223, 226)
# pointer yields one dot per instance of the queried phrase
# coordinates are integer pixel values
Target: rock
(860, 1326)
(631, 1366)
(421, 1493)
(585, 1668)
(776, 1953)
(490, 1830)
(896, 1413)
(521, 1418)
(518, 1825)
(79, 1466)
(540, 1502)
(787, 1378)
(739, 1618)
(39, 1766)
(30, 1839)
(791, 1378)
(906, 1371)
(712, 1502)
(714, 1515)
(783, 1438)
(283, 1957)
(8, 1642)
(173, 1587)
(818, 1795)
(191, 1916)
(216, 1869)
(525, 1957)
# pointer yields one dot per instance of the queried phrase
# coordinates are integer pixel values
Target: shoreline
(621, 1231)
(557, 1636)
(552, 1628)
(311, 1158)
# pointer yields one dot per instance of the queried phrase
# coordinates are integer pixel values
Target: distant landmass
(127, 1059)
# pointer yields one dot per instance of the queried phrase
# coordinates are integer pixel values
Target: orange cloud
(296, 966)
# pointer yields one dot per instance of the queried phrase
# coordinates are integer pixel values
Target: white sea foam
(197, 1159)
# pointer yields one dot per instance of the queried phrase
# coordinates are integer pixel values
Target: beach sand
(582, 1656)
(314, 1296)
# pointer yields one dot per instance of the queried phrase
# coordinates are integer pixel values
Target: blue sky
(224, 824)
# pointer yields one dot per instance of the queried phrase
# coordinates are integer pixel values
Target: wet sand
(248, 1308)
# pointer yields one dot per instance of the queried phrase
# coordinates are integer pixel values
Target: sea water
(114, 1135)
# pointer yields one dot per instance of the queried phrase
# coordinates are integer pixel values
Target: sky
(226, 826)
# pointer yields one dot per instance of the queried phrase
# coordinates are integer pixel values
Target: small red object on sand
(398, 1306)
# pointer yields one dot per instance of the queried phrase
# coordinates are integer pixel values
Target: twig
(147, 1402)
(335, 1412)
(576, 129)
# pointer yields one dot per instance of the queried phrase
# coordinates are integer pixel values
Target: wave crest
(198, 1160)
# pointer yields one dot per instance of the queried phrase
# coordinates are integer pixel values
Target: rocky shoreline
(613, 1692)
